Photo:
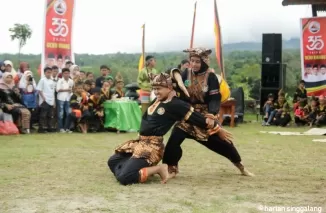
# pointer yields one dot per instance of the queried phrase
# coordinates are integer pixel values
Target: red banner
(313, 55)
(57, 46)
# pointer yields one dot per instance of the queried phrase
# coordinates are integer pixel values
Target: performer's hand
(225, 135)
(210, 123)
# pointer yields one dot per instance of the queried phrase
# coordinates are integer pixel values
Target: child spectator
(321, 111)
(64, 90)
(269, 110)
(96, 108)
(282, 116)
(88, 87)
(79, 105)
(119, 84)
(300, 117)
(312, 110)
(300, 95)
(46, 88)
(106, 90)
(89, 76)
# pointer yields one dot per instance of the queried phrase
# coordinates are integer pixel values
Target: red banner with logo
(57, 46)
(313, 55)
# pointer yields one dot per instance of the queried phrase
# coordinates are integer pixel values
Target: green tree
(20, 32)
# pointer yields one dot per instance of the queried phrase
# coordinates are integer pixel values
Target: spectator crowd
(63, 100)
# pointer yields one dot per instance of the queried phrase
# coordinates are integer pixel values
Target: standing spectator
(82, 76)
(23, 66)
(64, 89)
(89, 76)
(69, 64)
(46, 101)
(105, 70)
(300, 95)
(144, 82)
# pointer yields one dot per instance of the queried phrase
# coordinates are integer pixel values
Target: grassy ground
(68, 173)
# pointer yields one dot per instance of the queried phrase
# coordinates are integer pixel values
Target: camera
(30, 79)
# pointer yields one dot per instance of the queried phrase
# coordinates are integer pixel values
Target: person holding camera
(27, 86)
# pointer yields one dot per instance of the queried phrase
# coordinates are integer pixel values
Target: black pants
(298, 121)
(86, 115)
(46, 116)
(173, 151)
(125, 168)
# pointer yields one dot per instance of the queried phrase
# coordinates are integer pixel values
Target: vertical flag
(58, 23)
(141, 63)
(218, 41)
(193, 27)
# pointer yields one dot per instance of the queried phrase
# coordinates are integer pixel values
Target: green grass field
(68, 173)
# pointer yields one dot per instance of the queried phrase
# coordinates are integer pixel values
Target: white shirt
(47, 87)
(63, 84)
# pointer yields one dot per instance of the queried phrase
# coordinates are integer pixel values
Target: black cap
(149, 57)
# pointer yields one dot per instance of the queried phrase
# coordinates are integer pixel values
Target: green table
(124, 115)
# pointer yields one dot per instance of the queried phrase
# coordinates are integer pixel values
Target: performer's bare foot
(164, 173)
(245, 172)
(172, 175)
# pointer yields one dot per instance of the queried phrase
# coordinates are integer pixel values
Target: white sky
(109, 26)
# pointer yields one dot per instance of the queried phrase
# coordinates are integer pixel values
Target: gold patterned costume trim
(194, 131)
(150, 148)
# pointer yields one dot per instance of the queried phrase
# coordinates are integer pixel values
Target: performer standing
(135, 160)
(144, 82)
(203, 87)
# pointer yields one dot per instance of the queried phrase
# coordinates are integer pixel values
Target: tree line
(242, 68)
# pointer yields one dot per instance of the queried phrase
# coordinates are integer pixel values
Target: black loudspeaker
(272, 48)
(273, 75)
(264, 92)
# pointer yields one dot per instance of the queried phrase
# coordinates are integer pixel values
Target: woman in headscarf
(74, 73)
(10, 68)
(204, 96)
(11, 100)
(27, 85)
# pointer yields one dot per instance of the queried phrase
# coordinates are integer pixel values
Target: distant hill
(293, 43)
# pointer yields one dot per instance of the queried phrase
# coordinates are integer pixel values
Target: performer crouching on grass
(135, 160)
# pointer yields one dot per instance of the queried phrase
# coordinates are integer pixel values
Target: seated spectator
(300, 95)
(269, 110)
(27, 86)
(282, 116)
(301, 115)
(93, 85)
(321, 112)
(96, 108)
(312, 111)
(80, 114)
(12, 104)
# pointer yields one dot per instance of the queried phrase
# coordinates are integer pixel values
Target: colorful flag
(58, 25)
(141, 63)
(218, 41)
(193, 28)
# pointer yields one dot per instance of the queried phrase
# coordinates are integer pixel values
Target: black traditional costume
(203, 88)
(117, 92)
(130, 160)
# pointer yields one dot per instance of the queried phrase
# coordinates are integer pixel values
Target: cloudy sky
(108, 26)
